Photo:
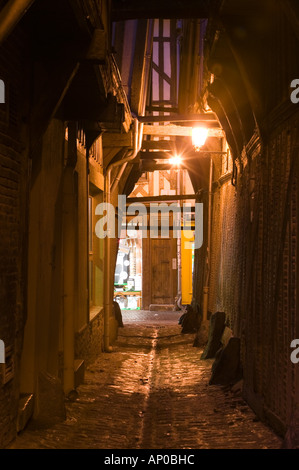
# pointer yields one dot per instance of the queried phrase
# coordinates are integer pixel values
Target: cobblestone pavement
(152, 392)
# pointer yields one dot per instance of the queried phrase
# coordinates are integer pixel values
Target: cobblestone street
(152, 392)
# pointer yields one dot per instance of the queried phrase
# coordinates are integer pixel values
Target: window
(95, 255)
(90, 249)
(164, 74)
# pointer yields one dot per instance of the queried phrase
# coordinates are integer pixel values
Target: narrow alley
(149, 175)
(152, 392)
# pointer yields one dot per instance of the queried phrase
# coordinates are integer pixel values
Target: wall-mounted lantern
(199, 137)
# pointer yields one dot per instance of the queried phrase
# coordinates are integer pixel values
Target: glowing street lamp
(199, 137)
(176, 160)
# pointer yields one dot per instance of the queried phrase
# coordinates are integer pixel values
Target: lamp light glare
(199, 137)
(176, 160)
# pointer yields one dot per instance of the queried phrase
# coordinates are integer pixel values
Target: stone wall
(89, 341)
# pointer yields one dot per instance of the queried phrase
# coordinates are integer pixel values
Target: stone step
(161, 307)
(25, 410)
(79, 372)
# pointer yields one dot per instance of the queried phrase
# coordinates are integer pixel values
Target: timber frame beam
(183, 131)
(178, 197)
(133, 9)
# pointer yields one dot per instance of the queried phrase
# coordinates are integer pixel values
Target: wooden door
(163, 271)
(159, 271)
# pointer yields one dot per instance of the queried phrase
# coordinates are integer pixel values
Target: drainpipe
(69, 244)
(118, 177)
(108, 292)
(11, 14)
(68, 280)
(138, 135)
(206, 283)
(179, 244)
(146, 66)
(142, 102)
(123, 162)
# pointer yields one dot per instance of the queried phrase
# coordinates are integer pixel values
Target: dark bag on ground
(188, 321)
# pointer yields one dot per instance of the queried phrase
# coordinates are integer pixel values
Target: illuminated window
(95, 254)
(164, 65)
(90, 249)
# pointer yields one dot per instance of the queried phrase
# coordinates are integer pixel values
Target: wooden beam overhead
(133, 9)
(161, 109)
(158, 144)
(178, 197)
(208, 117)
(158, 155)
(172, 130)
(97, 51)
(111, 139)
(155, 155)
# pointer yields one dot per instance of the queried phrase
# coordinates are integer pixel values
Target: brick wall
(271, 290)
(253, 275)
(13, 202)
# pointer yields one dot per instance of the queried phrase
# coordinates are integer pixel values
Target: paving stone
(152, 392)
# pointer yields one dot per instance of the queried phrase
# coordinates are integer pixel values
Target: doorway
(128, 272)
(160, 272)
